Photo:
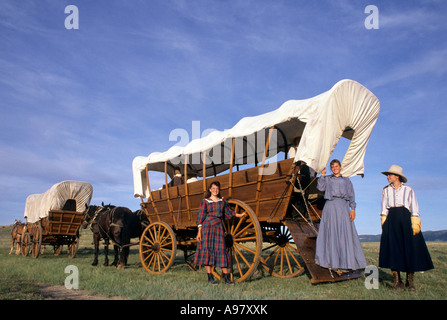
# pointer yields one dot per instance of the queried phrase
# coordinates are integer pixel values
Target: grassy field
(19, 277)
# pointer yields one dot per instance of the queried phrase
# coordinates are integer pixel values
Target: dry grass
(19, 276)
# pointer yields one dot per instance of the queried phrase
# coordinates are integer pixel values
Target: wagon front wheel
(26, 243)
(243, 239)
(37, 240)
(158, 247)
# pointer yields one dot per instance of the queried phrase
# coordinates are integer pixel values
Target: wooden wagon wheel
(158, 247)
(26, 242)
(37, 240)
(244, 258)
(57, 249)
(282, 260)
(73, 248)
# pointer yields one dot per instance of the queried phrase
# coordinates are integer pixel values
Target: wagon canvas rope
(304, 198)
(307, 221)
(307, 208)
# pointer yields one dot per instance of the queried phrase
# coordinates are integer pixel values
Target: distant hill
(435, 236)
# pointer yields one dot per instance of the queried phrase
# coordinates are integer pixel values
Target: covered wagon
(256, 175)
(55, 216)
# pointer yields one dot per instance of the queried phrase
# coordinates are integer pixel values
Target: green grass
(19, 276)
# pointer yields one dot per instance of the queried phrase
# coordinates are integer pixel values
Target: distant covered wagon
(278, 233)
(55, 216)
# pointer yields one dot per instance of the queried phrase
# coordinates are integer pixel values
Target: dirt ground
(52, 292)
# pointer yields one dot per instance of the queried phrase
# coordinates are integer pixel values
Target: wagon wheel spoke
(272, 253)
(158, 247)
(161, 233)
(148, 242)
(147, 254)
(241, 254)
(151, 234)
(289, 250)
(244, 248)
(189, 259)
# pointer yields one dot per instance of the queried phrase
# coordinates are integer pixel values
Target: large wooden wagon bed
(283, 209)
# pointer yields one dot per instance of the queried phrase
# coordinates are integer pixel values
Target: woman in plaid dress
(211, 249)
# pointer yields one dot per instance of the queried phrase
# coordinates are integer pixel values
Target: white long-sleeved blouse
(402, 197)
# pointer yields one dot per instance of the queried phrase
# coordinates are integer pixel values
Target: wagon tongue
(305, 240)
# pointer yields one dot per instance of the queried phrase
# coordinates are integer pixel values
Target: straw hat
(395, 169)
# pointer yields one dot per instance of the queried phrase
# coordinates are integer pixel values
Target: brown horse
(99, 220)
(125, 226)
(16, 236)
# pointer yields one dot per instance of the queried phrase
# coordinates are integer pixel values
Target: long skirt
(212, 251)
(399, 249)
(338, 244)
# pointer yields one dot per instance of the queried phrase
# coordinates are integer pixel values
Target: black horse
(125, 226)
(99, 220)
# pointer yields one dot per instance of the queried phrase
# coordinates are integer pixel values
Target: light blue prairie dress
(338, 244)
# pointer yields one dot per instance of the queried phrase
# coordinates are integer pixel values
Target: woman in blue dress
(338, 245)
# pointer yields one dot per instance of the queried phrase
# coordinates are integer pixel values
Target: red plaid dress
(211, 251)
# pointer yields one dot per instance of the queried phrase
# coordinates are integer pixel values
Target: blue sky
(80, 104)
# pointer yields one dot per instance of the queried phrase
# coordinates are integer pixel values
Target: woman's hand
(352, 215)
(241, 215)
(199, 235)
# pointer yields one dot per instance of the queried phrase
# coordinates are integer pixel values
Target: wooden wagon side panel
(268, 195)
(66, 223)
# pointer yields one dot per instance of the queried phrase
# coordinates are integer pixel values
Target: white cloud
(430, 62)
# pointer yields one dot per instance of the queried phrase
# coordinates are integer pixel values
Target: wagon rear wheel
(244, 241)
(158, 247)
(57, 250)
(73, 248)
(281, 259)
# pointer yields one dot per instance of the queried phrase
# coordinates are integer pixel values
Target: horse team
(116, 225)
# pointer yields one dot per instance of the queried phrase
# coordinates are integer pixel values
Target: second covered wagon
(55, 216)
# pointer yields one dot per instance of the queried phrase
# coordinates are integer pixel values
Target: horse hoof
(120, 267)
(94, 264)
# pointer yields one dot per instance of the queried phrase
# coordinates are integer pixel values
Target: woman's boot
(227, 278)
(398, 284)
(211, 279)
(409, 283)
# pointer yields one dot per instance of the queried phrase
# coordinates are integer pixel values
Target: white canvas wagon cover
(37, 206)
(348, 109)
